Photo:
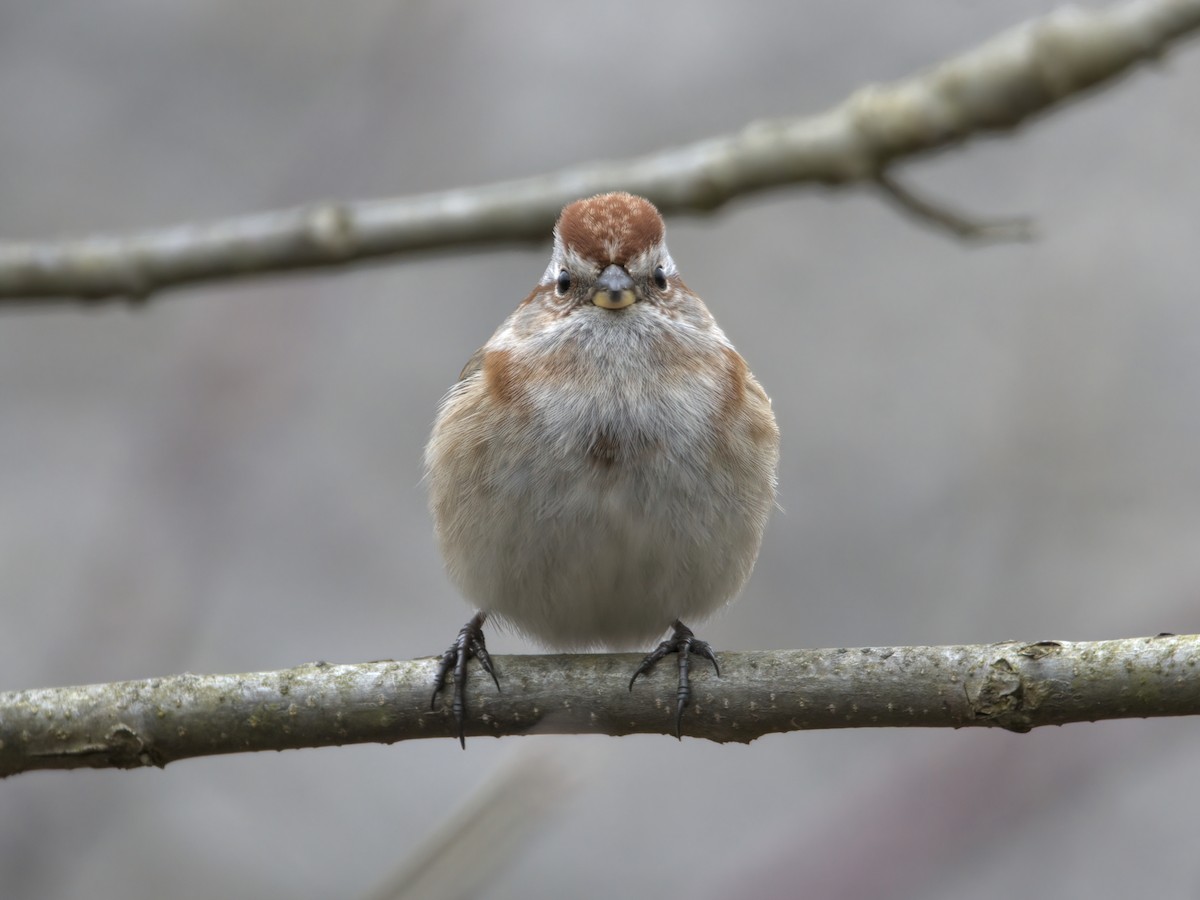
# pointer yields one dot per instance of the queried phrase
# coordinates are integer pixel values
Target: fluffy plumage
(599, 472)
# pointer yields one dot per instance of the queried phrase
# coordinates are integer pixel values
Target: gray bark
(994, 87)
(1016, 686)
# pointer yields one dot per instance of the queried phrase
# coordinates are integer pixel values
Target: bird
(605, 466)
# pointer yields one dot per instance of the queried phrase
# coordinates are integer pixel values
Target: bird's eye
(660, 278)
(564, 282)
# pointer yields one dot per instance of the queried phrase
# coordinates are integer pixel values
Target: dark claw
(469, 643)
(685, 643)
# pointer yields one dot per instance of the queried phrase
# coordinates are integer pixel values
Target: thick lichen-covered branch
(1012, 685)
(994, 87)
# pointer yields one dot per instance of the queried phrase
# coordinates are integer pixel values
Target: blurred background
(979, 443)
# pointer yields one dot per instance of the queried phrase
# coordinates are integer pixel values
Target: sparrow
(605, 466)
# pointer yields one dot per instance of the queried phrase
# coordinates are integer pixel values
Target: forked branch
(996, 86)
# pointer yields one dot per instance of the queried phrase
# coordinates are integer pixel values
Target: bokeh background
(980, 443)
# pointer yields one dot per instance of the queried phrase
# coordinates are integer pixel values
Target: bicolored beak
(614, 289)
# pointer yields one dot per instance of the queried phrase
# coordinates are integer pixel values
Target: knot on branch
(126, 749)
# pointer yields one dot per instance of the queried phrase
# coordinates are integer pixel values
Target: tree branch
(994, 87)
(1008, 685)
(962, 226)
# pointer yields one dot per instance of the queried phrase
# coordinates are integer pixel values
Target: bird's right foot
(469, 643)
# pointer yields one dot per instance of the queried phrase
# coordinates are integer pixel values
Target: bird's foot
(685, 643)
(469, 643)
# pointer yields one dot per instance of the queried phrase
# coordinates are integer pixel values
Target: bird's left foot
(685, 643)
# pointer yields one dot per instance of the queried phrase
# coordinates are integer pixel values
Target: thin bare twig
(995, 87)
(958, 224)
(493, 827)
(1010, 685)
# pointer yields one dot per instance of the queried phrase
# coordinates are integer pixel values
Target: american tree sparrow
(605, 465)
